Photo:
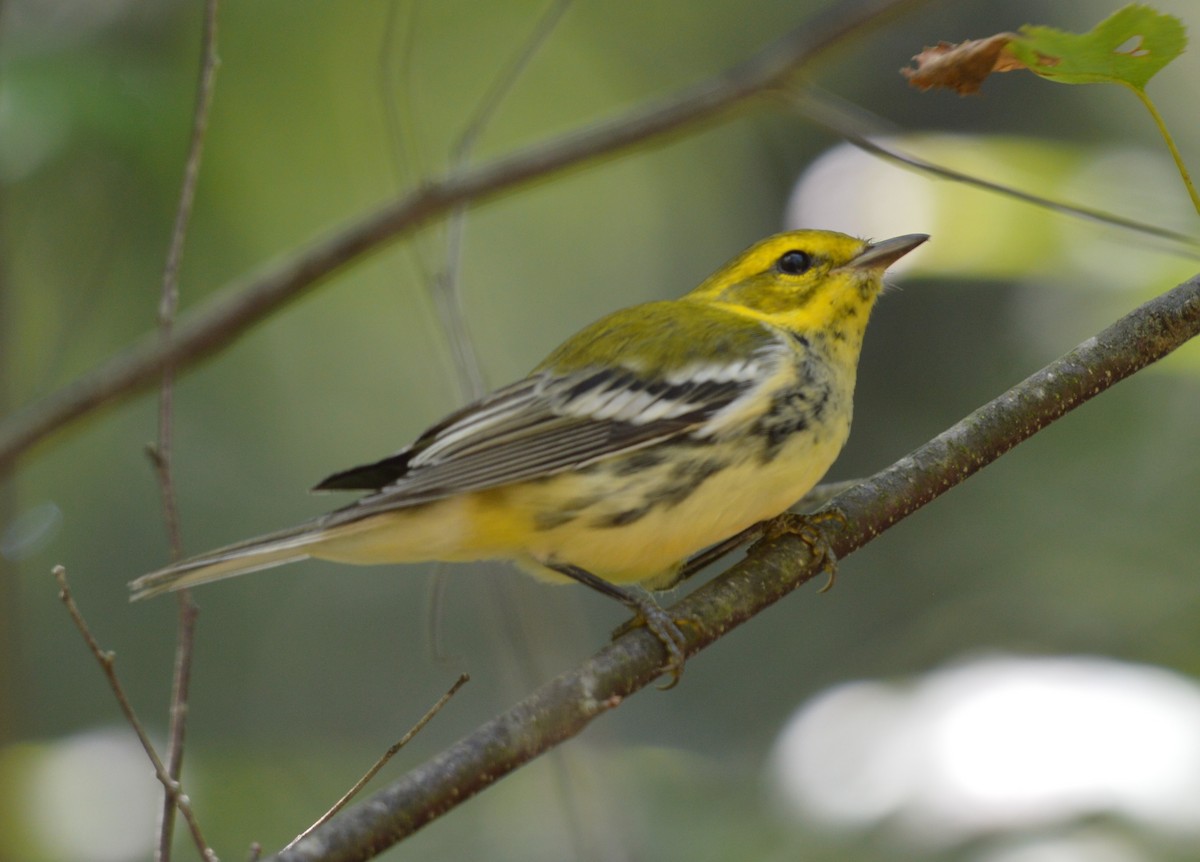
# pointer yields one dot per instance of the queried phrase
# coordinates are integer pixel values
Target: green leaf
(1127, 48)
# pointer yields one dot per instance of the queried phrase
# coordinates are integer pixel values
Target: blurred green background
(1082, 541)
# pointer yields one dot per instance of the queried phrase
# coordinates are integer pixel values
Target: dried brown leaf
(962, 67)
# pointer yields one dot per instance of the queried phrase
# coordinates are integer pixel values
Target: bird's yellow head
(807, 280)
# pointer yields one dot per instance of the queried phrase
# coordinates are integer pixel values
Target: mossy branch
(563, 707)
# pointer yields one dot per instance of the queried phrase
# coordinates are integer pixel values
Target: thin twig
(462, 680)
(447, 292)
(408, 151)
(161, 455)
(249, 300)
(181, 678)
(563, 707)
(862, 129)
(163, 451)
(108, 662)
(396, 80)
(10, 584)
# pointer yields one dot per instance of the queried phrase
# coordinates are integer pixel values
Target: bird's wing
(550, 423)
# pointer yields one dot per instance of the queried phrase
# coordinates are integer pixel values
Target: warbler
(655, 432)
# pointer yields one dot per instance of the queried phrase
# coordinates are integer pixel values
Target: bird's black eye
(795, 262)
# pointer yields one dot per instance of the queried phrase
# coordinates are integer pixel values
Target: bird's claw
(810, 530)
(660, 624)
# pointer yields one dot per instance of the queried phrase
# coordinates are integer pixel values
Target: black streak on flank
(637, 462)
(683, 478)
(621, 519)
(549, 520)
(686, 477)
(570, 510)
(792, 411)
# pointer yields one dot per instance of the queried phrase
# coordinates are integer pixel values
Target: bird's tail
(273, 549)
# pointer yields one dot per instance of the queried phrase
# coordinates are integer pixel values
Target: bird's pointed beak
(882, 254)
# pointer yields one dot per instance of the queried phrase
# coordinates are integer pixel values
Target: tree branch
(563, 707)
(247, 301)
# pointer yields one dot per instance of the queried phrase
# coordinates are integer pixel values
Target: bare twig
(447, 292)
(462, 680)
(163, 451)
(10, 584)
(169, 300)
(108, 661)
(397, 88)
(181, 679)
(408, 150)
(247, 301)
(563, 707)
(862, 129)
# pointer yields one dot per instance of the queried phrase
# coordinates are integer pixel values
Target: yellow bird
(655, 432)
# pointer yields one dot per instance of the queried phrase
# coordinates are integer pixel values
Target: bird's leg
(818, 496)
(655, 618)
(696, 562)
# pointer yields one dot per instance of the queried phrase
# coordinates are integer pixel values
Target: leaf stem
(1170, 141)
